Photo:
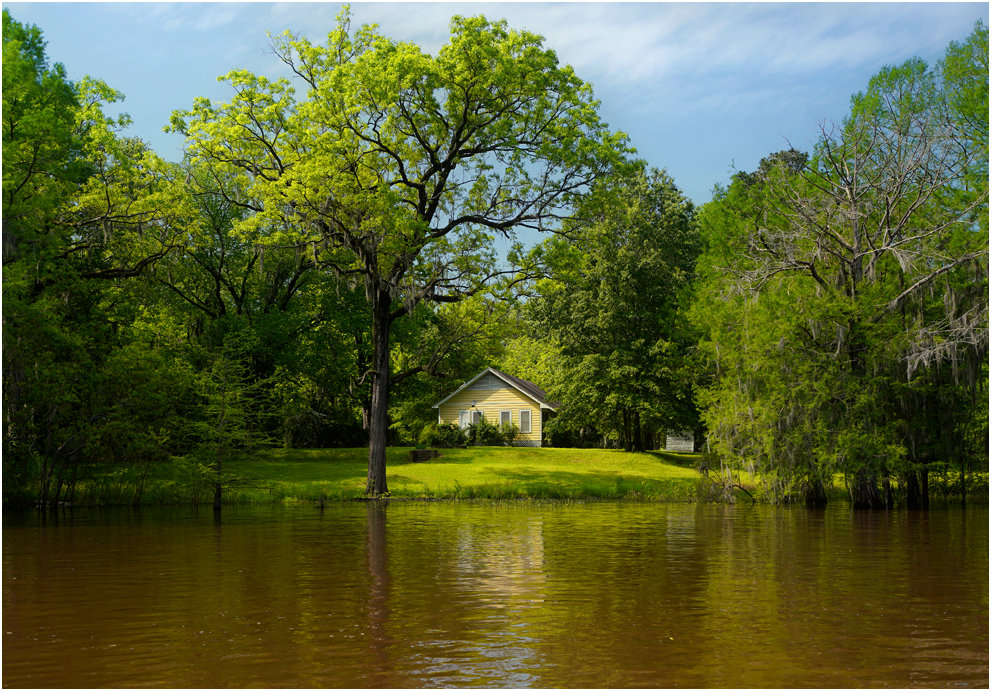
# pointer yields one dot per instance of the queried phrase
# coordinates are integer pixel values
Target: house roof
(525, 387)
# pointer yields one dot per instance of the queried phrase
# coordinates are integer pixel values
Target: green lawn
(495, 473)
(476, 472)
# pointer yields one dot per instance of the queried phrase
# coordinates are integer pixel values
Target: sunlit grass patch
(494, 473)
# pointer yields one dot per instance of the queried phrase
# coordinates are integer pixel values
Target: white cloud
(624, 44)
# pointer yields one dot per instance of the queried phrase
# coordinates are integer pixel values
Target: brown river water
(459, 594)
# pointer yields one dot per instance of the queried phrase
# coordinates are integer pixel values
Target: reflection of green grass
(477, 472)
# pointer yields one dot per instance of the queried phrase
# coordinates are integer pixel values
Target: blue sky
(702, 89)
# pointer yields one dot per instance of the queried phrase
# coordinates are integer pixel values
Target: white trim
(468, 418)
(494, 372)
(530, 421)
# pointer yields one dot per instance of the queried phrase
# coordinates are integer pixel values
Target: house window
(463, 419)
(524, 421)
(505, 417)
(476, 417)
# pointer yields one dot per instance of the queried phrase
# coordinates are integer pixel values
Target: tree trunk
(363, 365)
(918, 489)
(864, 492)
(815, 494)
(218, 483)
(925, 487)
(376, 483)
(961, 479)
(638, 443)
(627, 445)
(887, 491)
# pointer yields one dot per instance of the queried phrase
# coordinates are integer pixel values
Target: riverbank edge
(320, 477)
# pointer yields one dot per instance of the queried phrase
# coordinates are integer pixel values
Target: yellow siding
(491, 402)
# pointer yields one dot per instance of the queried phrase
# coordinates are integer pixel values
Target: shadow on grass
(441, 459)
(688, 461)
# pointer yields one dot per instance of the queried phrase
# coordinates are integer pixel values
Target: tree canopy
(846, 297)
(612, 308)
(398, 167)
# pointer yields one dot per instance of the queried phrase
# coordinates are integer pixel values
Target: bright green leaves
(963, 77)
(81, 202)
(246, 141)
(402, 167)
(528, 123)
(393, 149)
(41, 143)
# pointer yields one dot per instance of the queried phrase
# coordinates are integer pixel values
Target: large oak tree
(398, 168)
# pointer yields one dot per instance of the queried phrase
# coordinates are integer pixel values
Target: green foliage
(80, 204)
(400, 166)
(322, 269)
(509, 432)
(612, 311)
(844, 297)
(435, 350)
(42, 147)
(446, 435)
(486, 434)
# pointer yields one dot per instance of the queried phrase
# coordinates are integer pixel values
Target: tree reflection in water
(377, 563)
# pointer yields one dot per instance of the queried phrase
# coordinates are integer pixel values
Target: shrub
(510, 433)
(487, 434)
(448, 435)
(427, 436)
(484, 433)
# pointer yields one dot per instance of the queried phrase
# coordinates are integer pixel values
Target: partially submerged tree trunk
(864, 492)
(917, 489)
(815, 495)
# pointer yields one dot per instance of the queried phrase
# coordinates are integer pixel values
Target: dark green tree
(83, 208)
(878, 246)
(613, 309)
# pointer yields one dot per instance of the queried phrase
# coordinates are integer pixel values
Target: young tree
(399, 167)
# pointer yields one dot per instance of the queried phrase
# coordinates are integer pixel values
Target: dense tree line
(148, 319)
(320, 269)
(844, 295)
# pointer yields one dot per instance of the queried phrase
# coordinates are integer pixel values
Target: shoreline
(321, 476)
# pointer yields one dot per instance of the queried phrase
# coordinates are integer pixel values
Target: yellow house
(499, 398)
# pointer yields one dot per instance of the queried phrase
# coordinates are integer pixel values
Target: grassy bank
(478, 472)
(493, 473)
